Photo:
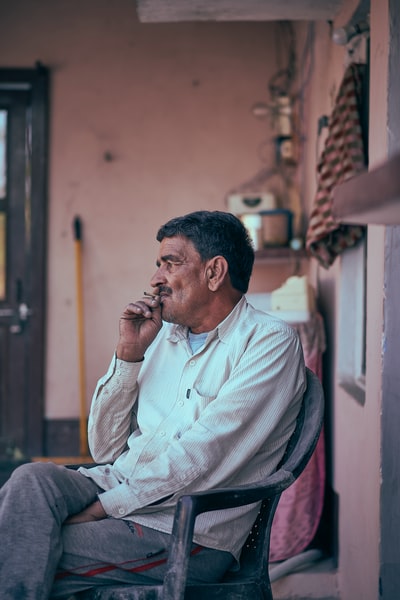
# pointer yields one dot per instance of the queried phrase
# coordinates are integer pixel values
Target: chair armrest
(75, 466)
(223, 498)
(190, 506)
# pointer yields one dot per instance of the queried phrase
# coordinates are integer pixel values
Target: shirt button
(118, 371)
(192, 363)
(181, 403)
(162, 433)
(121, 511)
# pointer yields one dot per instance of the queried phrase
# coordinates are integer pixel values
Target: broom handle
(83, 445)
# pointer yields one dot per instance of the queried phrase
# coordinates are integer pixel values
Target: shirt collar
(222, 330)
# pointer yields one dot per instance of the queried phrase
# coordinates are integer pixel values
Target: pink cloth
(299, 510)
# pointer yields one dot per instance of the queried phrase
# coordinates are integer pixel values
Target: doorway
(23, 232)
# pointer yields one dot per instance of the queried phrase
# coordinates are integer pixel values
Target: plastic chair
(251, 581)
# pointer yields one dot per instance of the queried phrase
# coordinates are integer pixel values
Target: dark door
(23, 141)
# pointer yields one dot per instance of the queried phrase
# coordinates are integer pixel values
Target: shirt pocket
(194, 407)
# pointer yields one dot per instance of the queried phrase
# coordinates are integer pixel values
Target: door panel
(3, 188)
(23, 105)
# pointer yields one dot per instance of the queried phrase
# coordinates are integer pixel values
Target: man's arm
(111, 419)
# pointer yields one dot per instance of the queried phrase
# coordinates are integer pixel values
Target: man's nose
(158, 278)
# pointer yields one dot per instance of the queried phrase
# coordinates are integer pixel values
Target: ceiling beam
(164, 11)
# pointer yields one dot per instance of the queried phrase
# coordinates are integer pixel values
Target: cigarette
(149, 294)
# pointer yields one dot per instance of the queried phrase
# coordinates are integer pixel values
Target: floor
(316, 582)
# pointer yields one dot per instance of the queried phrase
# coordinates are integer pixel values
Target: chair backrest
(255, 552)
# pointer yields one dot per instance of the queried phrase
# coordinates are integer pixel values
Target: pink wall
(147, 122)
(170, 105)
(355, 428)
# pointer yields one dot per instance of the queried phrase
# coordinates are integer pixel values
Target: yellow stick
(83, 445)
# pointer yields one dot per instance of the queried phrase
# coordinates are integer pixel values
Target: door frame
(36, 81)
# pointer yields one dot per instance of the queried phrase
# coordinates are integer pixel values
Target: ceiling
(163, 11)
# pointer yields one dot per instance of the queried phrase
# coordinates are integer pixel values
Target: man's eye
(171, 265)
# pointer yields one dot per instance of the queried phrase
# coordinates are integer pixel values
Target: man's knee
(34, 470)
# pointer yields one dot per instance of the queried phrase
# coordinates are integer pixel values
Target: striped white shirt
(180, 422)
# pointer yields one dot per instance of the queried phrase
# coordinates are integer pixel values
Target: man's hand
(138, 326)
(93, 512)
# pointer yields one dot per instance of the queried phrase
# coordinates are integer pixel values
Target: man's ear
(216, 272)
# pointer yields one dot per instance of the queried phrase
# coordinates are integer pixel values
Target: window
(352, 321)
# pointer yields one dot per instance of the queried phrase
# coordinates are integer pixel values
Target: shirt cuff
(118, 502)
(126, 373)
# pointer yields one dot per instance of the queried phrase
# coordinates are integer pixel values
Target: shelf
(280, 253)
(372, 198)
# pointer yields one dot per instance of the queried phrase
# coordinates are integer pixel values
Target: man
(202, 392)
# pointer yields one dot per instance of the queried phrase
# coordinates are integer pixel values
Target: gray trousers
(41, 558)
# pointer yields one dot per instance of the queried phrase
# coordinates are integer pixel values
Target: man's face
(182, 282)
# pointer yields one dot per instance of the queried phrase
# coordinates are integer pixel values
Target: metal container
(276, 227)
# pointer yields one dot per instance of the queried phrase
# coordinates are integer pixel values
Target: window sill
(354, 388)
